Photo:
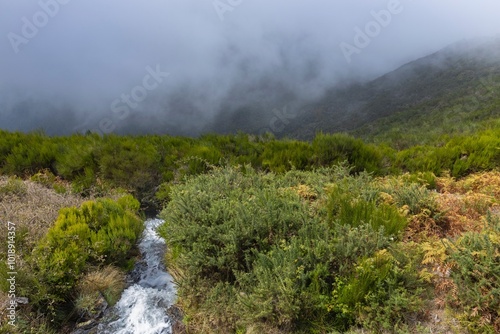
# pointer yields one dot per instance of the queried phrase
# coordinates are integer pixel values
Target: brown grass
(33, 208)
(102, 284)
(487, 183)
(466, 202)
(107, 279)
(464, 205)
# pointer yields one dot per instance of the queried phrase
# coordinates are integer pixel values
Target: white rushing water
(142, 307)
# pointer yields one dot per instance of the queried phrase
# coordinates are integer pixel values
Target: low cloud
(66, 62)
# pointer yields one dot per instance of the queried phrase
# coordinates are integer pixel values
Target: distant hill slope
(459, 84)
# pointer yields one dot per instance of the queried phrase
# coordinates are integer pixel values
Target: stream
(142, 307)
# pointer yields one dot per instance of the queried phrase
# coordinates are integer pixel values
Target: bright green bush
(460, 155)
(98, 233)
(427, 179)
(353, 202)
(8, 140)
(34, 153)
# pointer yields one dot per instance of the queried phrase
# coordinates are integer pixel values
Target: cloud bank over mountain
(177, 66)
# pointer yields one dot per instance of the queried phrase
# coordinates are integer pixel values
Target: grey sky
(91, 52)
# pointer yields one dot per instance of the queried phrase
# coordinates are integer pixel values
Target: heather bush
(278, 253)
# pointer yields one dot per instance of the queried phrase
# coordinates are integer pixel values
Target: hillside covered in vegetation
(269, 235)
(452, 91)
(392, 226)
(328, 251)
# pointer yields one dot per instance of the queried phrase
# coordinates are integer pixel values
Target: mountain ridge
(463, 69)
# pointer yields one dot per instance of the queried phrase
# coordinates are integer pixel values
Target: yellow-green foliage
(336, 148)
(280, 156)
(353, 201)
(99, 232)
(254, 250)
(140, 164)
(476, 271)
(272, 246)
(460, 155)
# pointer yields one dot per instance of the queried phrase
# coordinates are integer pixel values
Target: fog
(187, 66)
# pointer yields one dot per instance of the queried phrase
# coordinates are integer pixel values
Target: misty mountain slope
(459, 80)
(432, 122)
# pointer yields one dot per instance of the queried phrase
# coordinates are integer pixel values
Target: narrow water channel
(142, 307)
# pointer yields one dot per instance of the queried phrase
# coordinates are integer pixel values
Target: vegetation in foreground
(327, 251)
(71, 253)
(283, 243)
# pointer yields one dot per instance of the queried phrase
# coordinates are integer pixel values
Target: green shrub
(288, 284)
(282, 156)
(476, 261)
(34, 153)
(417, 198)
(264, 247)
(350, 244)
(219, 220)
(332, 149)
(384, 291)
(354, 206)
(460, 155)
(98, 233)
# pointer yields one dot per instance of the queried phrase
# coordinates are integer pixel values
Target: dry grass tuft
(107, 282)
(107, 278)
